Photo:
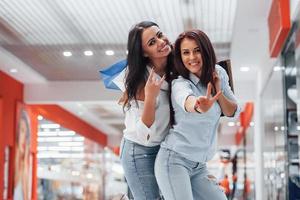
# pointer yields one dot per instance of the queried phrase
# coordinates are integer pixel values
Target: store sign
(279, 25)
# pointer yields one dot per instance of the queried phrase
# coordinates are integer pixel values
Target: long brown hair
(207, 52)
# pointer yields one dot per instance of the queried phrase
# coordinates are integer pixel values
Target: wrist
(196, 109)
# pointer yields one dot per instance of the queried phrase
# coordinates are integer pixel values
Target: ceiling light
(126, 52)
(67, 53)
(13, 70)
(109, 52)
(40, 117)
(276, 128)
(88, 53)
(251, 123)
(244, 69)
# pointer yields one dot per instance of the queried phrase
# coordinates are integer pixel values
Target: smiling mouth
(165, 48)
(194, 63)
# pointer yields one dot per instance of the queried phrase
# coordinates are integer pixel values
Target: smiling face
(191, 56)
(155, 44)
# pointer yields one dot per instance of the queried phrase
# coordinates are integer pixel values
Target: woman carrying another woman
(146, 106)
(199, 95)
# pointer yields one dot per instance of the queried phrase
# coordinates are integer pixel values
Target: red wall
(11, 92)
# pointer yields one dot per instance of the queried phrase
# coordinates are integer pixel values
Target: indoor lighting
(88, 53)
(40, 117)
(244, 69)
(276, 128)
(67, 53)
(230, 123)
(66, 133)
(277, 68)
(13, 70)
(251, 123)
(89, 175)
(75, 173)
(50, 126)
(75, 144)
(109, 52)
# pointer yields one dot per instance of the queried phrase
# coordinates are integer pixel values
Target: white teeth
(164, 48)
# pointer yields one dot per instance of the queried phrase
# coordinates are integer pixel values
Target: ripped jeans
(179, 178)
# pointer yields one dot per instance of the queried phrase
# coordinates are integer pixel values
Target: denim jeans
(138, 164)
(182, 179)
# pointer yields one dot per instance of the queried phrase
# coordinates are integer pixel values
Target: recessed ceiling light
(244, 69)
(13, 70)
(67, 53)
(88, 53)
(251, 123)
(126, 52)
(109, 52)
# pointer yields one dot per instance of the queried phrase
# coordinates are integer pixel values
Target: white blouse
(136, 131)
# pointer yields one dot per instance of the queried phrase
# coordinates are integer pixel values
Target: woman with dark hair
(199, 95)
(146, 105)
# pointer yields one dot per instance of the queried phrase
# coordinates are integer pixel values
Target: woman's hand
(204, 103)
(153, 85)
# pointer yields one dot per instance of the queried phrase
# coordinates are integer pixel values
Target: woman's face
(155, 44)
(191, 56)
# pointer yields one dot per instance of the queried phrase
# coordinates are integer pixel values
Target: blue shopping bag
(113, 74)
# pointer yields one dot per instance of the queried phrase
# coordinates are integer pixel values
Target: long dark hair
(208, 59)
(207, 52)
(137, 73)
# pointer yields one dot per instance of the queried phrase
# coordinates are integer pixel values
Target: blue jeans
(182, 179)
(138, 164)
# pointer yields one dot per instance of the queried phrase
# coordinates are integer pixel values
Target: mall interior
(60, 128)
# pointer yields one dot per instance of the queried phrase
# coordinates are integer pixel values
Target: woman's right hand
(204, 103)
(153, 85)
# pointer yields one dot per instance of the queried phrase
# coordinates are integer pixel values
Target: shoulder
(220, 69)
(180, 80)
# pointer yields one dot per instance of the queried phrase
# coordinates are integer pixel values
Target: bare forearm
(228, 106)
(148, 115)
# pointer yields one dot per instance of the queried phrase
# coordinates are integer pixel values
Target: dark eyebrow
(151, 39)
(158, 32)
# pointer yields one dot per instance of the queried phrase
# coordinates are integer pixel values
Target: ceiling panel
(38, 31)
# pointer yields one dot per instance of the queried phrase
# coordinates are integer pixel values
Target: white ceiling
(34, 34)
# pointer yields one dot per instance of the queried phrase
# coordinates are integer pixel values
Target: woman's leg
(138, 164)
(204, 186)
(172, 176)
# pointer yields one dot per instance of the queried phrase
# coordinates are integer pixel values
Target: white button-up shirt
(136, 131)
